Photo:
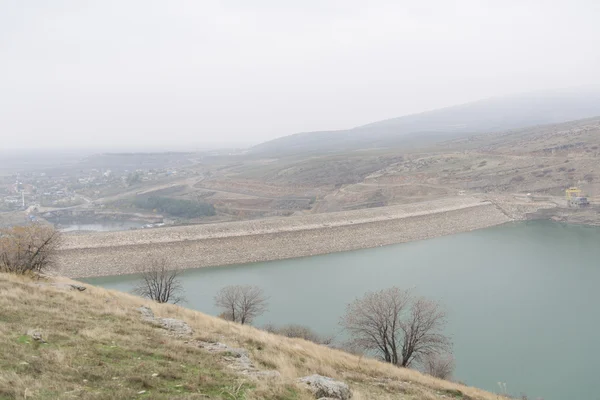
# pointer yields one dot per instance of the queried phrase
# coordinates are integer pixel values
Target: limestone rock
(174, 326)
(36, 335)
(324, 387)
(147, 313)
(238, 359)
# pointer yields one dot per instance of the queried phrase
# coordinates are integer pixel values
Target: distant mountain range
(483, 116)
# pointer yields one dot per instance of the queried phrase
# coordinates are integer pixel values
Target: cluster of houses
(63, 189)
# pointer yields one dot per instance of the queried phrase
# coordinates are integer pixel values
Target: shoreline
(126, 252)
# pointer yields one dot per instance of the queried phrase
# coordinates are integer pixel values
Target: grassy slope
(98, 348)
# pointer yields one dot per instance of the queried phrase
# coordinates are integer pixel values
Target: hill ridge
(492, 114)
(93, 344)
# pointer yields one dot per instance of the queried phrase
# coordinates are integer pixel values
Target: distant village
(45, 190)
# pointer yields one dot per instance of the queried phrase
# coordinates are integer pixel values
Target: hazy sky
(173, 73)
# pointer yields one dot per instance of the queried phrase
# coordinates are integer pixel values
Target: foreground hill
(60, 343)
(489, 115)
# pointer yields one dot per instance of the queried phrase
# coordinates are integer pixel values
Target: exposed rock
(36, 335)
(324, 387)
(147, 313)
(238, 359)
(174, 326)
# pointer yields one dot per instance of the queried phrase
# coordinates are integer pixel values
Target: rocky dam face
(126, 252)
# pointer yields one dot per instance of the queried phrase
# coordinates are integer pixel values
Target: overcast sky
(178, 73)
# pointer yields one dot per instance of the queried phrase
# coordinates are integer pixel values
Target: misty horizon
(214, 146)
(152, 75)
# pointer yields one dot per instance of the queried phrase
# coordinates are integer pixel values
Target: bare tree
(241, 303)
(374, 322)
(438, 365)
(396, 326)
(28, 249)
(423, 331)
(160, 283)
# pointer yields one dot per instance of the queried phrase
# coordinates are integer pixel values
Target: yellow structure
(575, 198)
(573, 192)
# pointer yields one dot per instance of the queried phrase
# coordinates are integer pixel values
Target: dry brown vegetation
(28, 249)
(97, 347)
(299, 331)
(440, 366)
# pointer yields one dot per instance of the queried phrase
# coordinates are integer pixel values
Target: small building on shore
(579, 202)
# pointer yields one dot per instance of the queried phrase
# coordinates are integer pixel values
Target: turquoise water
(522, 299)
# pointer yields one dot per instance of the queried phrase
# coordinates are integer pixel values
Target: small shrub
(439, 366)
(299, 331)
(28, 249)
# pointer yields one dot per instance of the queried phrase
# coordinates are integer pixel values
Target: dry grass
(98, 348)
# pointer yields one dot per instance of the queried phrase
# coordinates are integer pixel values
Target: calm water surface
(522, 299)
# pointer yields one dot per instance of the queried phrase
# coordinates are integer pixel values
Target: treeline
(175, 207)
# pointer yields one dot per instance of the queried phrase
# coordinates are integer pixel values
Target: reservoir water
(522, 299)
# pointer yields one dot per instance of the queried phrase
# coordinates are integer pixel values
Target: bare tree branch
(394, 325)
(160, 283)
(422, 330)
(241, 303)
(28, 249)
(438, 365)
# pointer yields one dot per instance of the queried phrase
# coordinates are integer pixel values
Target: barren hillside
(542, 160)
(61, 343)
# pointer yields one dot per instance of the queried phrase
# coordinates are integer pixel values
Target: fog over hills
(488, 115)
